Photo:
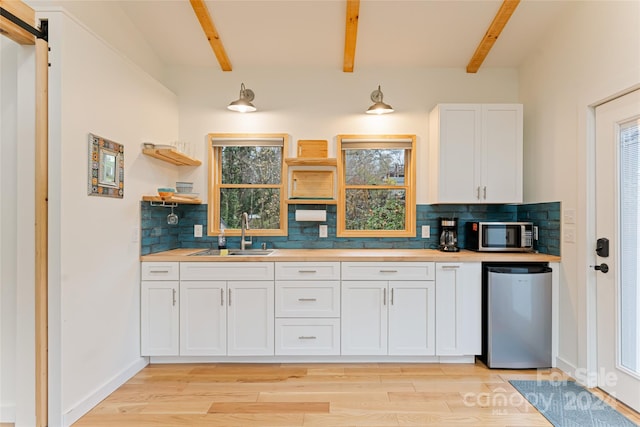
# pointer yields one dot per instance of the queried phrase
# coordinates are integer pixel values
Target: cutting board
(312, 148)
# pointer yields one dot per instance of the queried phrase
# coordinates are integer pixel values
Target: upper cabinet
(475, 153)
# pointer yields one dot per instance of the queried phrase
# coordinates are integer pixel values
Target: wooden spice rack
(172, 156)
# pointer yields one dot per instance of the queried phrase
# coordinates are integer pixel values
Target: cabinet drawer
(308, 299)
(160, 271)
(226, 271)
(308, 336)
(307, 270)
(388, 271)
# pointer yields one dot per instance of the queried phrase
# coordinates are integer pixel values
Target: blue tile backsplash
(158, 236)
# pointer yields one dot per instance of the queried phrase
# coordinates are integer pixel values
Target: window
(377, 186)
(247, 174)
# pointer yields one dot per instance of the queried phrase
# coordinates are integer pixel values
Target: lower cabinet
(159, 312)
(388, 317)
(458, 309)
(307, 308)
(200, 317)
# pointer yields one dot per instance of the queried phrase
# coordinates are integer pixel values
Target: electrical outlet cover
(322, 232)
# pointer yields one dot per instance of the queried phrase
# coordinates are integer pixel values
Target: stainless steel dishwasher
(517, 315)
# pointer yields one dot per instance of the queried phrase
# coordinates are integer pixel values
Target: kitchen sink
(235, 252)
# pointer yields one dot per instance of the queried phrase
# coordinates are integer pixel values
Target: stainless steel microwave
(499, 236)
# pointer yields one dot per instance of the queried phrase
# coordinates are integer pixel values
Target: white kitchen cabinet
(307, 308)
(392, 312)
(364, 318)
(458, 309)
(244, 292)
(412, 318)
(475, 153)
(250, 318)
(203, 318)
(159, 312)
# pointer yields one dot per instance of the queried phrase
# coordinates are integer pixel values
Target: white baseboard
(566, 367)
(100, 394)
(7, 413)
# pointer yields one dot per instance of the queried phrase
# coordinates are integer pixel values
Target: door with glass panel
(618, 249)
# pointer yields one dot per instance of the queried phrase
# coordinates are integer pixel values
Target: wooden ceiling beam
(350, 35)
(12, 30)
(490, 37)
(202, 13)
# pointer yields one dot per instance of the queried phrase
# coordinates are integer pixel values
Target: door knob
(602, 267)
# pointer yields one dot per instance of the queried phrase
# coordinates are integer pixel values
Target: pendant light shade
(379, 107)
(243, 104)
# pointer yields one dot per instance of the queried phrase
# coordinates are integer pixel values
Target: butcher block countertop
(376, 255)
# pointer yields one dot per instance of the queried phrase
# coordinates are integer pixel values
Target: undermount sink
(235, 252)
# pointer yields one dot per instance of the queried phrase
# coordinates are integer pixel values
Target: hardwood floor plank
(369, 420)
(269, 408)
(365, 407)
(316, 396)
(447, 420)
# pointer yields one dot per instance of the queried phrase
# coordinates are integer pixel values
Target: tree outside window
(247, 176)
(377, 186)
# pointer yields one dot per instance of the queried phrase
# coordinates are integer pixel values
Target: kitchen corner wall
(158, 236)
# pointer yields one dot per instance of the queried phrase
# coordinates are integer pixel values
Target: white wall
(316, 103)
(94, 243)
(17, 359)
(595, 54)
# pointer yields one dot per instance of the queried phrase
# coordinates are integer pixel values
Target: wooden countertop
(377, 255)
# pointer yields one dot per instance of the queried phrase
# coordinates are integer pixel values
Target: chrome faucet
(244, 226)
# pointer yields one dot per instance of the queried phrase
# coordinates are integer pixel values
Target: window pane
(262, 205)
(374, 167)
(375, 209)
(630, 246)
(251, 165)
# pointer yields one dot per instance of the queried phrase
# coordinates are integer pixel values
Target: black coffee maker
(449, 235)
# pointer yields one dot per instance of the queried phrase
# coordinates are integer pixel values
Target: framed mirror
(106, 167)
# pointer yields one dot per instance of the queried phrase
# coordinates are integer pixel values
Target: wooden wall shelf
(176, 199)
(311, 161)
(172, 156)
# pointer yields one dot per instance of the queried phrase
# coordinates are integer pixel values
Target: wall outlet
(426, 231)
(570, 235)
(197, 230)
(569, 216)
(134, 234)
(322, 231)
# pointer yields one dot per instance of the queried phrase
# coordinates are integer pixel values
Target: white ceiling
(391, 33)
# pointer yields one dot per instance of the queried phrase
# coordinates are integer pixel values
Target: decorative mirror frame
(106, 167)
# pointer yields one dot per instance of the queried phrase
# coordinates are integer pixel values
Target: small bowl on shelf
(184, 187)
(166, 192)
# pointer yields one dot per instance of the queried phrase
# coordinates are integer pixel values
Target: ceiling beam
(13, 30)
(200, 8)
(350, 35)
(490, 37)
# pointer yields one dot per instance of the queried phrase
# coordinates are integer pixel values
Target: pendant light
(243, 104)
(379, 107)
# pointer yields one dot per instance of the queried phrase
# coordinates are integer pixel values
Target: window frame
(409, 186)
(214, 182)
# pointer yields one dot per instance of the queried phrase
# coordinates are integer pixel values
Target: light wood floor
(321, 395)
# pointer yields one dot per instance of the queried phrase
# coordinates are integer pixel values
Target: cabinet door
(502, 153)
(412, 318)
(454, 153)
(458, 309)
(250, 318)
(364, 317)
(159, 316)
(203, 318)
